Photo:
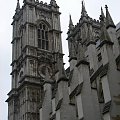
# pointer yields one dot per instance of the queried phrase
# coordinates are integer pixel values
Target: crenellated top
(95, 23)
(40, 5)
(84, 19)
(52, 6)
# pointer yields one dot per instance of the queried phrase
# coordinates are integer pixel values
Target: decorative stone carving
(42, 70)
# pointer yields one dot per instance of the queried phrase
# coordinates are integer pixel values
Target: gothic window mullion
(44, 39)
(43, 42)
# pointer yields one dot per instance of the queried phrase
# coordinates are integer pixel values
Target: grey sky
(73, 7)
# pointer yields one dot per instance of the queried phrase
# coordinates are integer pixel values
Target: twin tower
(41, 88)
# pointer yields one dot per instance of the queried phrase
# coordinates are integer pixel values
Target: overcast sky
(73, 7)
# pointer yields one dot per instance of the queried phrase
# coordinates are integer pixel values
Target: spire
(109, 21)
(83, 13)
(102, 13)
(71, 26)
(17, 7)
(104, 34)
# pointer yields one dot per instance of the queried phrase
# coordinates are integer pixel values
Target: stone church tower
(36, 47)
(41, 88)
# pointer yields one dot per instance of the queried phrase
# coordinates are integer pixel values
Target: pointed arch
(42, 34)
(43, 21)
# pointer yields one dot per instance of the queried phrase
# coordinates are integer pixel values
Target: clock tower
(36, 44)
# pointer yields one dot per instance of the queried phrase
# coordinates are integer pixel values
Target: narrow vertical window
(47, 46)
(43, 42)
(42, 34)
(46, 35)
(38, 33)
(39, 43)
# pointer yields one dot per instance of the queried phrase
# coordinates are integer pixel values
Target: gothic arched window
(43, 42)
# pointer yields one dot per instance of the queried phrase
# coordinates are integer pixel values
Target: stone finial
(71, 26)
(17, 7)
(53, 3)
(84, 12)
(102, 13)
(109, 21)
(37, 1)
(104, 34)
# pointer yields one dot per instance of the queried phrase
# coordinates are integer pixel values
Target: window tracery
(43, 42)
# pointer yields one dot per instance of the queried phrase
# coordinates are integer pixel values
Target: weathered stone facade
(41, 89)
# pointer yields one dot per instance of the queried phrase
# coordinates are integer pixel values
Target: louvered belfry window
(43, 42)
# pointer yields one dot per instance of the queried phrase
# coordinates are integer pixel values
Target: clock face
(42, 70)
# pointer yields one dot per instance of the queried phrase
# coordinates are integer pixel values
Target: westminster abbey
(89, 89)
